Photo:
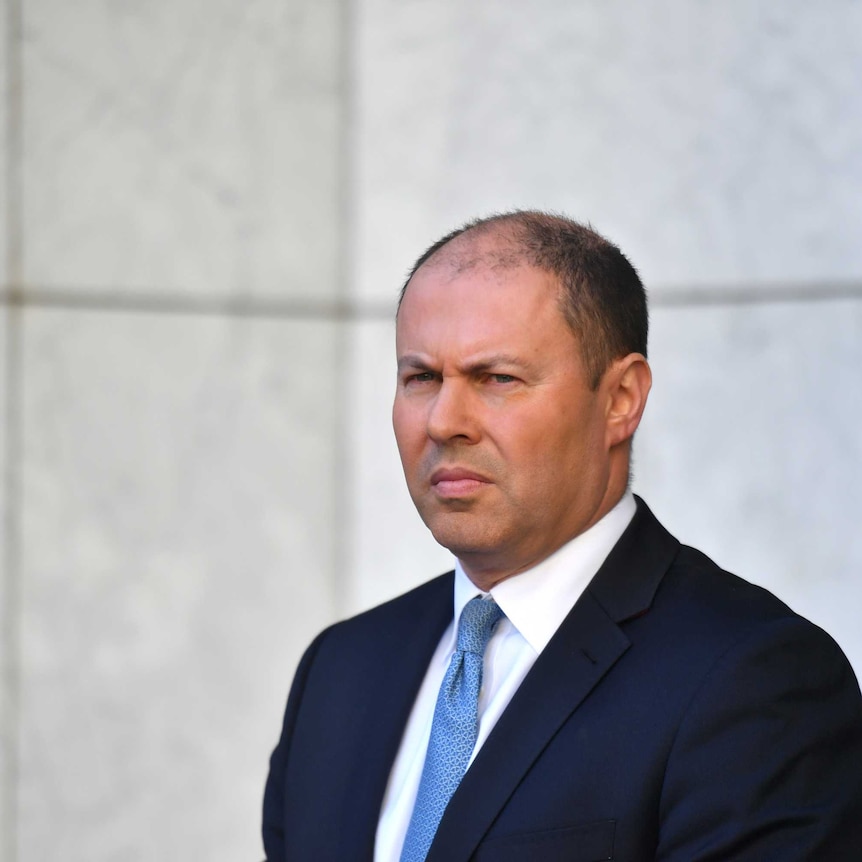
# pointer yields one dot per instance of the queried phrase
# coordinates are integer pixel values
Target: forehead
(479, 305)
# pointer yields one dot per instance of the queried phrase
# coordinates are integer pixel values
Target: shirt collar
(538, 600)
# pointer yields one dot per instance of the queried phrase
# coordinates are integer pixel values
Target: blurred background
(207, 211)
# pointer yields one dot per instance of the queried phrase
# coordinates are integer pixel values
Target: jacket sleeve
(273, 797)
(767, 763)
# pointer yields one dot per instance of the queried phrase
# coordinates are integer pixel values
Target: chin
(463, 540)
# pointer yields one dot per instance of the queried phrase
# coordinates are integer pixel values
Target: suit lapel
(380, 726)
(577, 657)
(584, 649)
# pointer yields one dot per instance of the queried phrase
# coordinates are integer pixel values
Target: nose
(452, 414)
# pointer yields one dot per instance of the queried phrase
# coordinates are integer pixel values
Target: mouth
(455, 482)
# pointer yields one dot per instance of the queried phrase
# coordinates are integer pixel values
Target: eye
(419, 377)
(502, 379)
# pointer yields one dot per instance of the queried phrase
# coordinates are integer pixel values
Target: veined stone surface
(179, 498)
(183, 148)
(718, 143)
(750, 448)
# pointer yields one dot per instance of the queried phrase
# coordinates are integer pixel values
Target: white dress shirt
(535, 603)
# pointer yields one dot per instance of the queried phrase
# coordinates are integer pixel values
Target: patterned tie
(454, 728)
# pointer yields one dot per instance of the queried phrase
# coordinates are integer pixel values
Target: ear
(628, 383)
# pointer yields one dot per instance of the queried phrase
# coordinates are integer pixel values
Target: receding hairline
(506, 240)
(600, 293)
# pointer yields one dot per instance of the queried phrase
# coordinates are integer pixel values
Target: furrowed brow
(498, 360)
(412, 361)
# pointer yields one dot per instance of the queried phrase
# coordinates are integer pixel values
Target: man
(620, 696)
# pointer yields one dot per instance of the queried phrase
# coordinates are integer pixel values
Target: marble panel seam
(10, 572)
(149, 302)
(347, 310)
(9, 566)
(761, 294)
(13, 132)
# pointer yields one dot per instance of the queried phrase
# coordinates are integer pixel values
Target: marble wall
(177, 368)
(218, 202)
(8, 639)
(720, 145)
(8, 633)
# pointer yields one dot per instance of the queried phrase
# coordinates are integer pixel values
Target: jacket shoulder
(416, 616)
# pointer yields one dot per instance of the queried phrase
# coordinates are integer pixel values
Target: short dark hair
(601, 295)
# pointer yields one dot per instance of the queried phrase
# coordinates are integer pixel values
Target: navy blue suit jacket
(679, 713)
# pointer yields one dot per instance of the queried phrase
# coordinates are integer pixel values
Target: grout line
(153, 302)
(11, 629)
(763, 294)
(346, 310)
(11, 623)
(12, 134)
(341, 486)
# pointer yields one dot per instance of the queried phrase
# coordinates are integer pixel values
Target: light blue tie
(454, 728)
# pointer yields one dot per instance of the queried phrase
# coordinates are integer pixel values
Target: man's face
(502, 441)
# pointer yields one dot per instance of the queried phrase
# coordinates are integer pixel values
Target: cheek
(409, 430)
(536, 452)
(563, 443)
(400, 416)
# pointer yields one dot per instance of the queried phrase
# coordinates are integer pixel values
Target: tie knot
(477, 622)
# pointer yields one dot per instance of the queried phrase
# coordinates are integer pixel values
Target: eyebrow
(477, 366)
(411, 360)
